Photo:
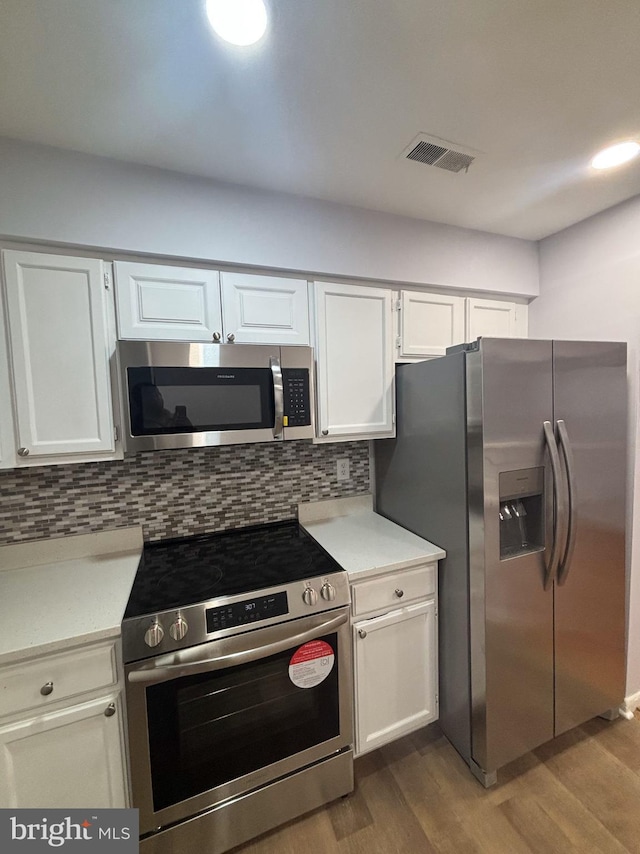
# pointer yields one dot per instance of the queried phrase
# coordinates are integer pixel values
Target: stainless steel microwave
(188, 395)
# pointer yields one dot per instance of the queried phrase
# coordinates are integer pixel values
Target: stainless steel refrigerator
(511, 455)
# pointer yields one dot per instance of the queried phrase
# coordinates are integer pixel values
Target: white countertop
(361, 541)
(66, 591)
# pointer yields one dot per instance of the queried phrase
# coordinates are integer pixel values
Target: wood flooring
(579, 793)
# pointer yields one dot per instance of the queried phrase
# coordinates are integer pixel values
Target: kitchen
(70, 203)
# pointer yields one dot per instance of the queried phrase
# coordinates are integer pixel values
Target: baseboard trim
(632, 702)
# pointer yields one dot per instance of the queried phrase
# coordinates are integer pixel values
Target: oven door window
(208, 729)
(193, 400)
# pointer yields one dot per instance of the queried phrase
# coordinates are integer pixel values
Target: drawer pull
(362, 633)
(110, 711)
(47, 689)
(399, 593)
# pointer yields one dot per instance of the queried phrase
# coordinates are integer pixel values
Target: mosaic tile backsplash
(177, 493)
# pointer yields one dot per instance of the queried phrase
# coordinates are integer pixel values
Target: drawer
(70, 674)
(394, 589)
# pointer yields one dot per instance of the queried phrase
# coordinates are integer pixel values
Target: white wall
(50, 195)
(590, 289)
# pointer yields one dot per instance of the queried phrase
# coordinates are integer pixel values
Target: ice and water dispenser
(521, 512)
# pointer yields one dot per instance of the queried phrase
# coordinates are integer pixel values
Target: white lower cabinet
(58, 752)
(65, 759)
(395, 657)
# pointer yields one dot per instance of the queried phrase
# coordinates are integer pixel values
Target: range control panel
(297, 399)
(247, 611)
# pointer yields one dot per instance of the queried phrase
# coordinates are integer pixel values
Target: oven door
(219, 719)
(180, 395)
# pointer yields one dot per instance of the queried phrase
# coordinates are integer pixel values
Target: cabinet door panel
(395, 667)
(7, 436)
(64, 759)
(354, 352)
(60, 353)
(265, 309)
(430, 323)
(495, 319)
(160, 303)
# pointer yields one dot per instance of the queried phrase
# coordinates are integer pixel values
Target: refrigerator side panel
(421, 484)
(590, 397)
(511, 534)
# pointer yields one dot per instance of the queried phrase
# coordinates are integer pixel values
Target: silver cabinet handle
(216, 336)
(560, 500)
(325, 432)
(399, 593)
(110, 711)
(567, 453)
(23, 452)
(47, 689)
(362, 633)
(231, 337)
(278, 397)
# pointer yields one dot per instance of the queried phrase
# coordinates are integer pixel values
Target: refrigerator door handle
(560, 502)
(567, 453)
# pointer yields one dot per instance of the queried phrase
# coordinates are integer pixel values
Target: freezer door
(509, 397)
(590, 398)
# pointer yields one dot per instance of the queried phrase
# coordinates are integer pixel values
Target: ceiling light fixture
(240, 22)
(614, 155)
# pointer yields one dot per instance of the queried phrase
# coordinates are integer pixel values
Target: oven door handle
(184, 664)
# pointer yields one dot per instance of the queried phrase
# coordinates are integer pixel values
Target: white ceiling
(327, 102)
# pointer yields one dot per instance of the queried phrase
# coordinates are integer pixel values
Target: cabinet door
(395, 672)
(429, 323)
(265, 309)
(354, 353)
(69, 758)
(7, 440)
(160, 303)
(60, 349)
(495, 319)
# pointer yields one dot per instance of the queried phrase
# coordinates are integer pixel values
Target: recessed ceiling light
(614, 155)
(241, 22)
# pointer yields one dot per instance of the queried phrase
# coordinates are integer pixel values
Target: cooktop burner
(177, 573)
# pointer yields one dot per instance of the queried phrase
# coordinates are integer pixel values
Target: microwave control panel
(297, 400)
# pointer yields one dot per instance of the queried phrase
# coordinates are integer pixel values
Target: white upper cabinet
(429, 323)
(355, 361)
(264, 309)
(156, 302)
(60, 344)
(160, 303)
(7, 441)
(490, 318)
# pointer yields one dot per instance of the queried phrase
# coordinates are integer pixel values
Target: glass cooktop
(177, 573)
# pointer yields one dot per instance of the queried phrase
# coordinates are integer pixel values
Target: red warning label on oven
(311, 663)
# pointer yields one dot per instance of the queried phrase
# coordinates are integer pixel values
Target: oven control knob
(154, 634)
(309, 596)
(178, 629)
(328, 591)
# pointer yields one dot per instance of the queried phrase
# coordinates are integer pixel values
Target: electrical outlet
(343, 468)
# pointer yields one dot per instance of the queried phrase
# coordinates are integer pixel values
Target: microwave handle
(278, 397)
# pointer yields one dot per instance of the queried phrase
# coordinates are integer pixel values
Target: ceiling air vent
(438, 152)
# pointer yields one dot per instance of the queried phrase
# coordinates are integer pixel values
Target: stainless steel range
(239, 686)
